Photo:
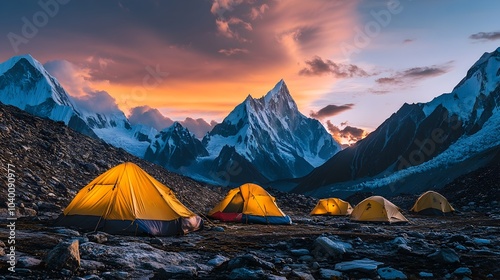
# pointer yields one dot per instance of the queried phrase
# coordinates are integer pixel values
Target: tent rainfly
(127, 200)
(332, 207)
(249, 203)
(377, 209)
(432, 203)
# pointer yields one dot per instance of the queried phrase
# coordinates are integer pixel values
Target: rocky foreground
(53, 162)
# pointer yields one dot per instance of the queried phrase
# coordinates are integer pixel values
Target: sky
(350, 64)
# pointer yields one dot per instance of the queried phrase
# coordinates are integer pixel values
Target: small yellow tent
(432, 203)
(332, 206)
(249, 203)
(127, 200)
(377, 209)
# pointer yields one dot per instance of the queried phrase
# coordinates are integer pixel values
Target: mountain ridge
(418, 137)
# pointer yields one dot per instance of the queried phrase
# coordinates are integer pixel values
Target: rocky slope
(52, 162)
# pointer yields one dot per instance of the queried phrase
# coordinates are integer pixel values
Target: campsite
(243, 139)
(464, 244)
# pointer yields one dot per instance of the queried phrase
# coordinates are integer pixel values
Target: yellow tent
(377, 209)
(127, 200)
(332, 206)
(432, 203)
(249, 203)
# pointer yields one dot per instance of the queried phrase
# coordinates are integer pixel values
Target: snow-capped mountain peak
(271, 133)
(26, 84)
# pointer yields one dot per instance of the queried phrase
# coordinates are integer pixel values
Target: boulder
(244, 273)
(445, 255)
(65, 255)
(363, 265)
(28, 262)
(462, 271)
(388, 273)
(217, 261)
(329, 273)
(249, 260)
(324, 246)
(176, 272)
(302, 275)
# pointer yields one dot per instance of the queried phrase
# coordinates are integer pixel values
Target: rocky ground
(53, 163)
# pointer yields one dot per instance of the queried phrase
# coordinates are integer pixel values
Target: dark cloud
(153, 117)
(97, 101)
(408, 41)
(486, 36)
(348, 134)
(415, 74)
(318, 67)
(331, 110)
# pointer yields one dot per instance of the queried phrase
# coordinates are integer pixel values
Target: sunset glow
(200, 59)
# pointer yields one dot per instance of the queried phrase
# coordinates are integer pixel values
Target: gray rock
(115, 275)
(325, 246)
(278, 260)
(481, 241)
(445, 255)
(329, 273)
(23, 271)
(68, 232)
(131, 255)
(416, 234)
(64, 255)
(299, 252)
(28, 262)
(399, 240)
(275, 277)
(404, 248)
(218, 229)
(461, 271)
(424, 274)
(91, 167)
(388, 273)
(217, 261)
(176, 272)
(98, 237)
(91, 277)
(90, 265)
(364, 265)
(244, 273)
(249, 260)
(306, 259)
(302, 275)
(204, 267)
